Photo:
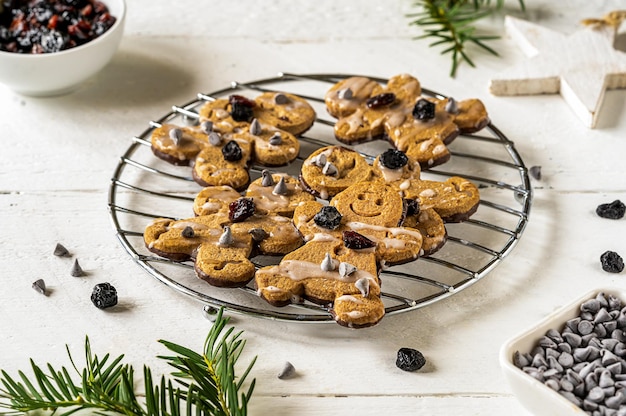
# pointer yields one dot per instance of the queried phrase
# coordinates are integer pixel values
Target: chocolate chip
(266, 178)
(258, 234)
(363, 284)
(40, 286)
(206, 126)
(61, 251)
(276, 139)
(328, 264)
(176, 135)
(345, 94)
(281, 187)
(535, 172)
(346, 269)
(226, 239)
(281, 99)
(188, 232)
(77, 271)
(451, 106)
(215, 139)
(288, 371)
(329, 169)
(255, 127)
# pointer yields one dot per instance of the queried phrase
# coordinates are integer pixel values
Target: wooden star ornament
(580, 66)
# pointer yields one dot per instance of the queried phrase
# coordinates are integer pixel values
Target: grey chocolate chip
(215, 139)
(209, 312)
(565, 347)
(328, 264)
(288, 371)
(206, 126)
(276, 139)
(329, 169)
(585, 327)
(596, 395)
(281, 187)
(346, 269)
(61, 251)
(77, 271)
(553, 384)
(519, 360)
(258, 234)
(451, 106)
(188, 232)
(345, 94)
(281, 99)
(573, 339)
(591, 305)
(546, 342)
(566, 360)
(535, 172)
(266, 178)
(320, 160)
(40, 286)
(255, 127)
(176, 135)
(602, 316)
(226, 239)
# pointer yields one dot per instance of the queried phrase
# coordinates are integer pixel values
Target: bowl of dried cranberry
(50, 47)
(573, 362)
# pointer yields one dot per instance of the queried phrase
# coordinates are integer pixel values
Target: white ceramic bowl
(536, 397)
(61, 72)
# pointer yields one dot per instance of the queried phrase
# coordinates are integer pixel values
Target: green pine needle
(203, 383)
(450, 23)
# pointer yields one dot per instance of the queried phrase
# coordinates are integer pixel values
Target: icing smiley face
(420, 127)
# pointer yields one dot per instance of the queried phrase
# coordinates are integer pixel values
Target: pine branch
(451, 24)
(204, 384)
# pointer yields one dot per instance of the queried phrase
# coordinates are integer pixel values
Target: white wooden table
(58, 155)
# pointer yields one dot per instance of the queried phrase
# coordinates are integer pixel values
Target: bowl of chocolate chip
(573, 361)
(50, 47)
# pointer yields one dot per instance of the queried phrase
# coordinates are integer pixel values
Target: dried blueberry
(424, 109)
(232, 152)
(328, 217)
(614, 211)
(356, 241)
(612, 262)
(104, 295)
(240, 209)
(381, 100)
(393, 159)
(410, 359)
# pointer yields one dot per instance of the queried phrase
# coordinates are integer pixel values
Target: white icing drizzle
(298, 270)
(349, 298)
(395, 231)
(428, 193)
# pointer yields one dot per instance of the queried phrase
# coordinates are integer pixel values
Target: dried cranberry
(612, 262)
(104, 295)
(614, 211)
(393, 159)
(240, 99)
(409, 359)
(328, 217)
(424, 109)
(241, 112)
(381, 100)
(411, 206)
(240, 209)
(232, 152)
(356, 241)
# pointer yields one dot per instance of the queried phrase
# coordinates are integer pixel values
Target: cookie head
(371, 203)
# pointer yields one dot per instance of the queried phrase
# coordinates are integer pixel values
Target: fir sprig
(204, 383)
(451, 23)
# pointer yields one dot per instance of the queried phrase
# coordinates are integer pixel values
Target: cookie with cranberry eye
(283, 111)
(221, 244)
(422, 127)
(330, 170)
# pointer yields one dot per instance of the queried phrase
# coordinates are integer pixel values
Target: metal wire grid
(142, 186)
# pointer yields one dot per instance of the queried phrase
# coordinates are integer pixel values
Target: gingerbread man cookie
(455, 199)
(346, 243)
(421, 127)
(232, 134)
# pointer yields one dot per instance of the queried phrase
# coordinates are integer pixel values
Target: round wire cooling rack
(144, 187)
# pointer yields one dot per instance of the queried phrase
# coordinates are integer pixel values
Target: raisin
(612, 262)
(411, 206)
(232, 152)
(104, 295)
(241, 108)
(410, 359)
(393, 159)
(614, 211)
(328, 217)
(381, 100)
(240, 209)
(424, 110)
(356, 241)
